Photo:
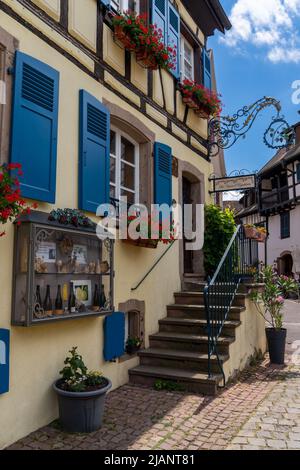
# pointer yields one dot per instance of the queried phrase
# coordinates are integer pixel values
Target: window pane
(188, 71)
(187, 53)
(112, 170)
(113, 143)
(115, 4)
(127, 151)
(130, 196)
(127, 176)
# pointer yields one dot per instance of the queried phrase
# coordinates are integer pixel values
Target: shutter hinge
(10, 70)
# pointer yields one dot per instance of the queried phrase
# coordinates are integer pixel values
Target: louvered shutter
(163, 174)
(114, 336)
(105, 2)
(206, 69)
(34, 126)
(4, 360)
(174, 36)
(93, 153)
(159, 16)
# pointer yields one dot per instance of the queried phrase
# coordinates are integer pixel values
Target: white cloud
(267, 24)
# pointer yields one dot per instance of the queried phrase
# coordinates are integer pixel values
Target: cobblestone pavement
(142, 418)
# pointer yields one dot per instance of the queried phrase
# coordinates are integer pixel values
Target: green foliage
(75, 375)
(133, 341)
(219, 228)
(168, 385)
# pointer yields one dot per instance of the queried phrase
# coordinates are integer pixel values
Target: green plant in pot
(81, 395)
(133, 344)
(270, 304)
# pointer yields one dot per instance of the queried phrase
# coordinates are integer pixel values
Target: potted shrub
(12, 205)
(133, 344)
(270, 303)
(205, 102)
(81, 395)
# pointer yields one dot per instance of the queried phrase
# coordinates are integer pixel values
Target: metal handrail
(219, 294)
(153, 267)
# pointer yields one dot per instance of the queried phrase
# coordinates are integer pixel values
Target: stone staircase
(178, 352)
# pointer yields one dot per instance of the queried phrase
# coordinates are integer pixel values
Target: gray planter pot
(276, 345)
(81, 412)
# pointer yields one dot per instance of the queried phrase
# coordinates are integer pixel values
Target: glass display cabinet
(60, 272)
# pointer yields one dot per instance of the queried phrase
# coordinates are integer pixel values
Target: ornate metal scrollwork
(225, 131)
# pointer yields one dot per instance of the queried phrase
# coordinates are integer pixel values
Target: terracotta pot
(146, 60)
(261, 237)
(122, 39)
(202, 112)
(188, 100)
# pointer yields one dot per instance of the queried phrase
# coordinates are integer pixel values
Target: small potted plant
(202, 100)
(270, 304)
(133, 344)
(81, 395)
(163, 234)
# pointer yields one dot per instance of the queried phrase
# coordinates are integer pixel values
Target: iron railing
(237, 264)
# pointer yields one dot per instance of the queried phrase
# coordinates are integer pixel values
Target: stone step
(192, 381)
(194, 326)
(197, 298)
(177, 359)
(198, 311)
(188, 342)
(193, 285)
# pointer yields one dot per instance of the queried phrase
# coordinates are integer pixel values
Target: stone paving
(141, 418)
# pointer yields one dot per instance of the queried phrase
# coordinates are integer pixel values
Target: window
(187, 60)
(298, 172)
(285, 221)
(124, 167)
(123, 5)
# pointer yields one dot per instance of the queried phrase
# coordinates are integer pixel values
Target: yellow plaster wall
(37, 353)
(51, 7)
(112, 53)
(83, 22)
(139, 75)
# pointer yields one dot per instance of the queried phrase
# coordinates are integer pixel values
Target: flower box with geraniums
(270, 304)
(133, 344)
(253, 232)
(206, 103)
(132, 32)
(12, 206)
(81, 395)
(151, 232)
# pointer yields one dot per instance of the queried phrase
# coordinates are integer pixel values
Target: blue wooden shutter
(105, 2)
(159, 16)
(298, 172)
(94, 150)
(114, 336)
(34, 126)
(174, 35)
(163, 174)
(206, 69)
(4, 361)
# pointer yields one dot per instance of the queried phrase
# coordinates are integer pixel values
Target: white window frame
(118, 166)
(183, 43)
(122, 5)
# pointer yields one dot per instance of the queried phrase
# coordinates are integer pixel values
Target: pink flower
(280, 300)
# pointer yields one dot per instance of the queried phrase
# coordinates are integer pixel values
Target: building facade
(72, 101)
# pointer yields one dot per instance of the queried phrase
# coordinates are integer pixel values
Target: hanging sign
(233, 183)
(4, 361)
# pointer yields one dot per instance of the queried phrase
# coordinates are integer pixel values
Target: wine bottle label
(73, 309)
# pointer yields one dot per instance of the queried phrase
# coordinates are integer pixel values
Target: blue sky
(260, 56)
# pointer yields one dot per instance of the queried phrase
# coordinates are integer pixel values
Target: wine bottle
(59, 302)
(102, 297)
(72, 299)
(38, 298)
(48, 309)
(96, 300)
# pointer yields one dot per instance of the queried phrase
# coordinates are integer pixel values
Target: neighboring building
(276, 204)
